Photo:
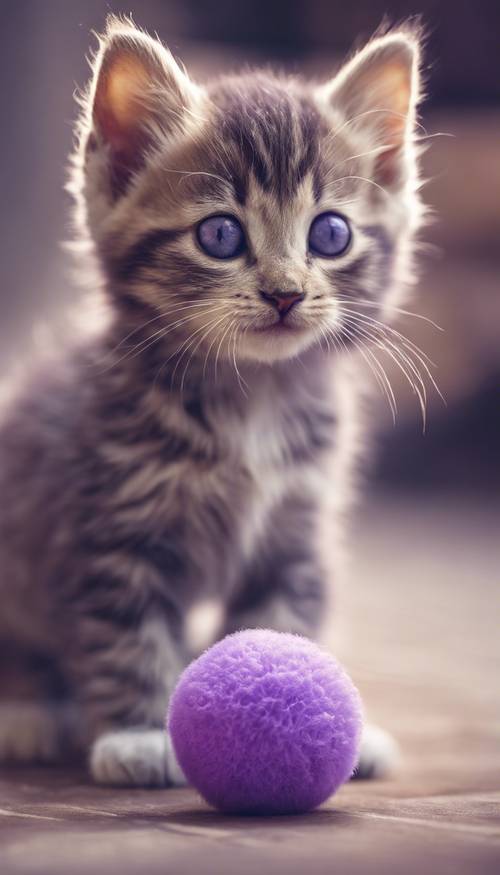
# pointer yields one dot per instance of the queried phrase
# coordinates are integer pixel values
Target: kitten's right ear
(377, 93)
(139, 98)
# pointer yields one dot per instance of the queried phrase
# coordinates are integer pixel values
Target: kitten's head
(251, 215)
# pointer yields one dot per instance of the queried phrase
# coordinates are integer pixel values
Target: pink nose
(283, 301)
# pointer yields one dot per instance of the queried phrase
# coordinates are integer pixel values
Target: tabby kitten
(241, 227)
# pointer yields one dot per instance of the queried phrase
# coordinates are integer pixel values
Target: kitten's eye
(329, 235)
(221, 236)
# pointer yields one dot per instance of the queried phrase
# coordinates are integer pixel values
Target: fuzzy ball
(265, 723)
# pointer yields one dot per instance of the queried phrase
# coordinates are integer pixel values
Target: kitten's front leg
(124, 659)
(135, 758)
(284, 589)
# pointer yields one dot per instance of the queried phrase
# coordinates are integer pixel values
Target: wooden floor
(419, 633)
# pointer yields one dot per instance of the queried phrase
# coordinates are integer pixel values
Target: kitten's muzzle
(283, 301)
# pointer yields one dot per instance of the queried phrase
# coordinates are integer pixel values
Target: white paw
(379, 753)
(135, 757)
(33, 732)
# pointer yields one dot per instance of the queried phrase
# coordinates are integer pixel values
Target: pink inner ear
(393, 83)
(388, 163)
(388, 170)
(119, 115)
(376, 89)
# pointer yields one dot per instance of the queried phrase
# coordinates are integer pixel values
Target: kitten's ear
(377, 93)
(139, 97)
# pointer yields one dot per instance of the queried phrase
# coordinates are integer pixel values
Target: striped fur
(181, 453)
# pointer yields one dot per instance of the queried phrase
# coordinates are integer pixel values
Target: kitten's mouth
(278, 340)
(279, 327)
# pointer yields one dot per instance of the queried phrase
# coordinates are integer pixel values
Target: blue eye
(221, 236)
(329, 235)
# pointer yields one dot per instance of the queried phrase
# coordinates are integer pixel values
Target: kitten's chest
(278, 449)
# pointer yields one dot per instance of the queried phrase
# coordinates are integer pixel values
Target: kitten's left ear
(376, 94)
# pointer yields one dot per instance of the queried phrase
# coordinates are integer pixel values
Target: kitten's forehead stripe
(270, 131)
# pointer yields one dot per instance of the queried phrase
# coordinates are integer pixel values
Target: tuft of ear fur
(377, 93)
(138, 98)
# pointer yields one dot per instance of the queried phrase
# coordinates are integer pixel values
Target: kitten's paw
(34, 732)
(379, 753)
(135, 758)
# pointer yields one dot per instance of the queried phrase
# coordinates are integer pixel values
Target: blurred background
(428, 534)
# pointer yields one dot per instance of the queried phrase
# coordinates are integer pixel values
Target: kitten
(246, 231)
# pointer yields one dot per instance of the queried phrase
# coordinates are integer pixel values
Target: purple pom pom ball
(265, 723)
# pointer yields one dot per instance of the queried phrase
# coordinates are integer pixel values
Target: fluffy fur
(181, 452)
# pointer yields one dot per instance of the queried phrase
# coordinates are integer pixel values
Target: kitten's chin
(275, 345)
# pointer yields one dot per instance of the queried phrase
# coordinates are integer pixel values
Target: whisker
(409, 345)
(219, 349)
(187, 343)
(361, 178)
(241, 382)
(384, 306)
(187, 173)
(207, 356)
(371, 333)
(211, 326)
(401, 362)
(324, 336)
(384, 327)
(149, 341)
(161, 315)
(332, 137)
(386, 147)
(377, 370)
(179, 348)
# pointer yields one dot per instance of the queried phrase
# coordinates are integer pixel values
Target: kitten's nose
(283, 301)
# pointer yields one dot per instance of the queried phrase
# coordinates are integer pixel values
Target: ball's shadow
(207, 818)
